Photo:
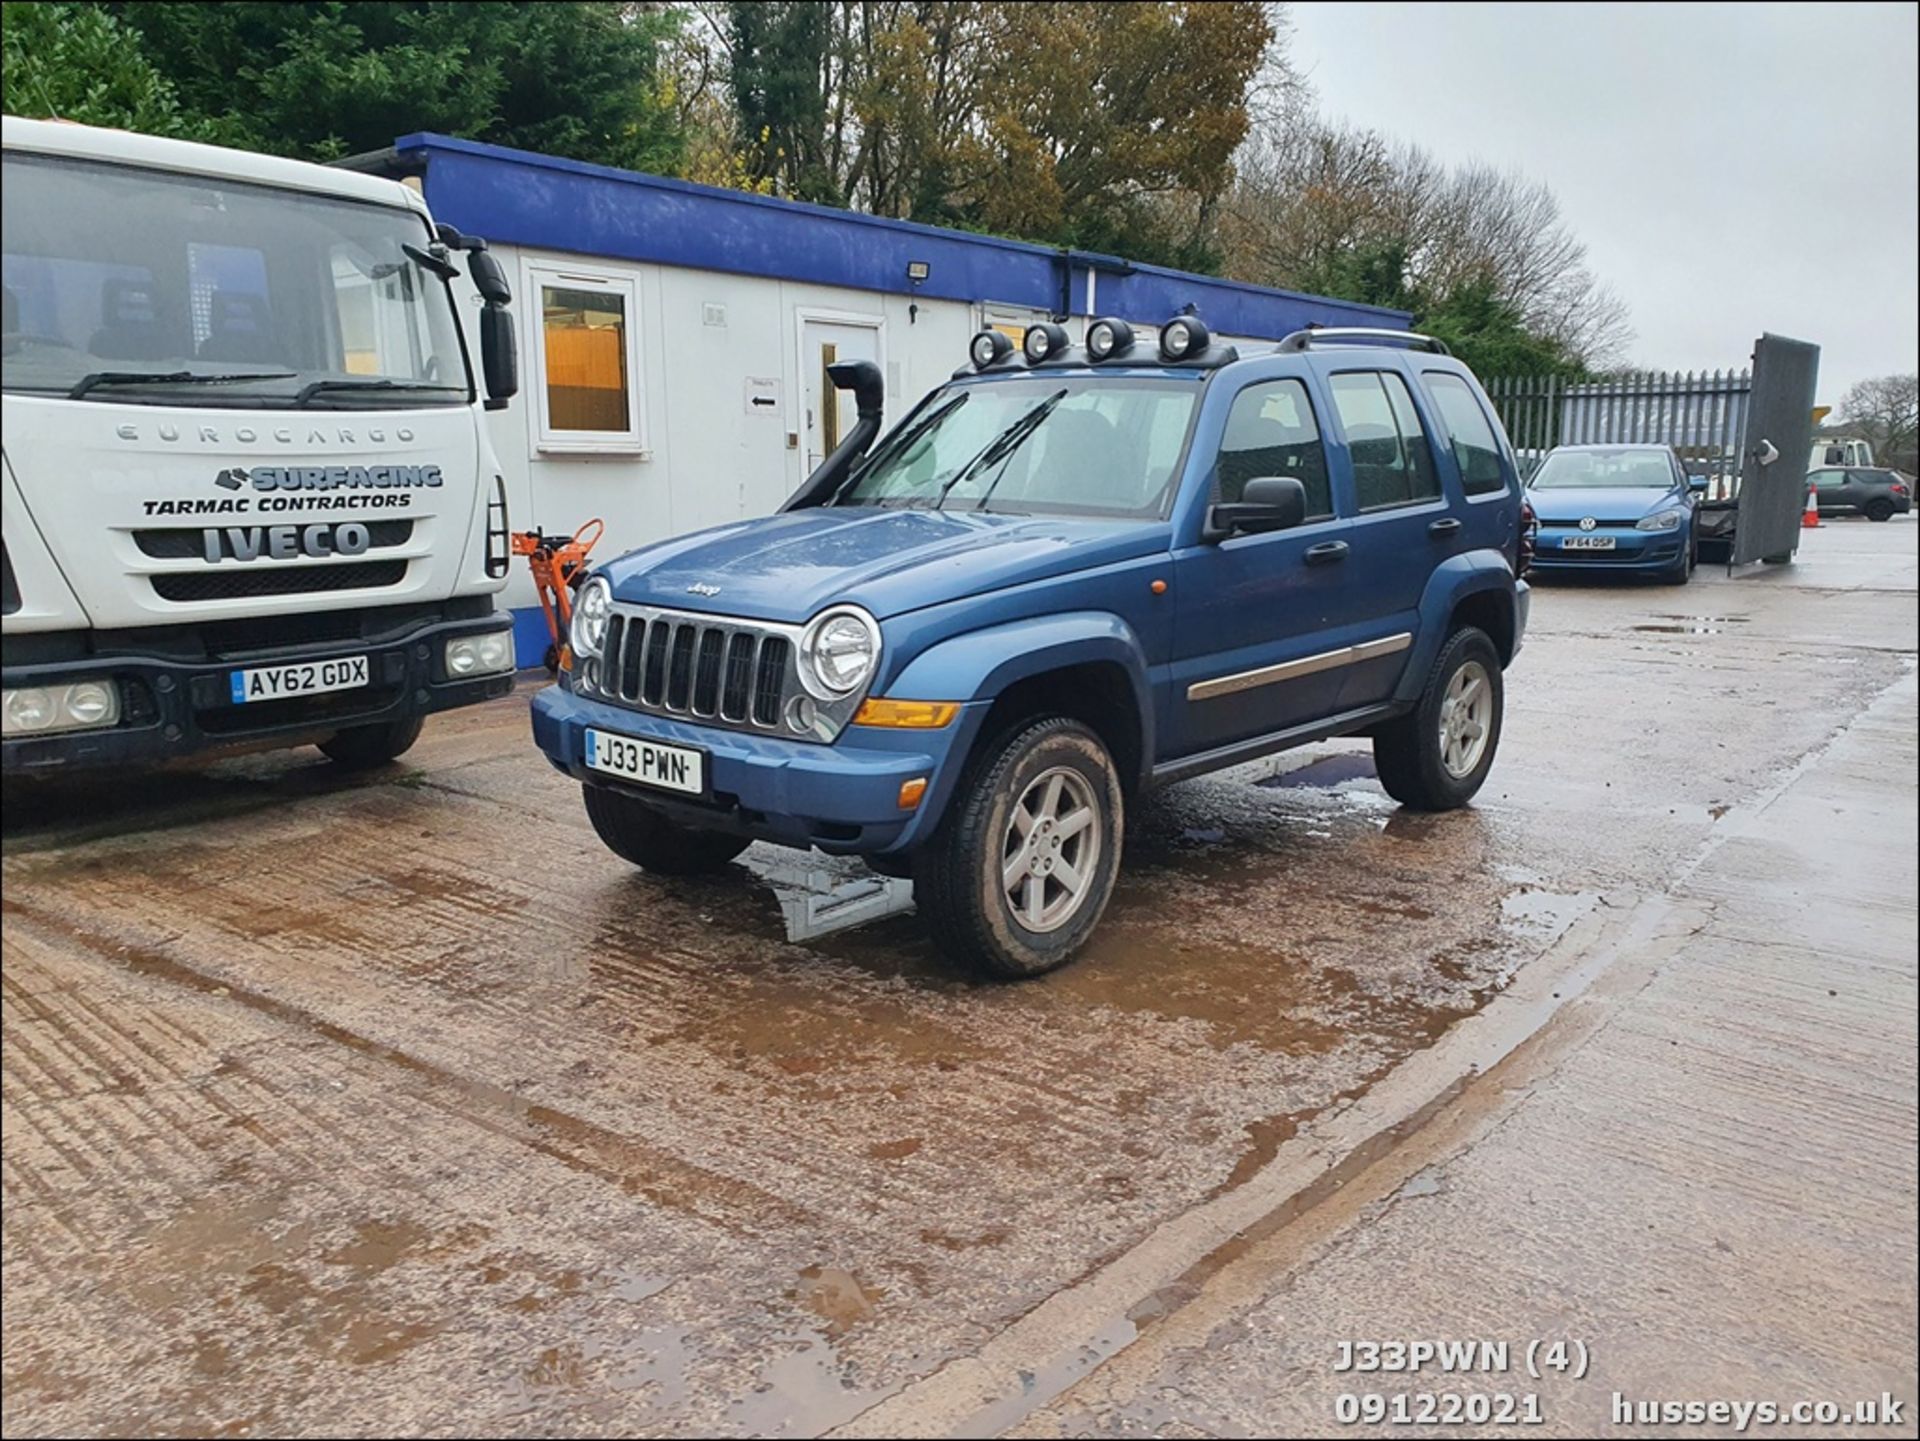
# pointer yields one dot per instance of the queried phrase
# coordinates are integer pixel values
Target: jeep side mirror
(1272, 502)
(499, 361)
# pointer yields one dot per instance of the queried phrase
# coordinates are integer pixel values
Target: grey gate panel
(1780, 415)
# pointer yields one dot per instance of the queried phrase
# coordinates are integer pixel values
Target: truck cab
(249, 498)
(1068, 575)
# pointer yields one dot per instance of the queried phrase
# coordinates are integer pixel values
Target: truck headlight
(591, 611)
(42, 709)
(840, 649)
(480, 654)
(1665, 520)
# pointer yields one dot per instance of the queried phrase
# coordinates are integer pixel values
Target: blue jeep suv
(1626, 508)
(1067, 575)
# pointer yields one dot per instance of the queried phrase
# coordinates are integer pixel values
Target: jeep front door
(1258, 616)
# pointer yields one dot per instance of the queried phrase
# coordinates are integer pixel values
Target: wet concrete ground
(396, 1103)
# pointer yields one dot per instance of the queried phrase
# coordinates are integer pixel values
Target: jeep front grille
(718, 670)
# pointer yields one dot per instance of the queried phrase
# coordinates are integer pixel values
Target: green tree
(79, 63)
(319, 80)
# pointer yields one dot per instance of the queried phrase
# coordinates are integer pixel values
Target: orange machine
(558, 562)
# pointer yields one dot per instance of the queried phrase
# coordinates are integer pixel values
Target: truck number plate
(668, 767)
(277, 682)
(1587, 542)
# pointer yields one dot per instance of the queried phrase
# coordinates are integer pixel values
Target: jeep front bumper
(842, 798)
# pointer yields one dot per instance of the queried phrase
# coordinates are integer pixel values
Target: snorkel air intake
(869, 389)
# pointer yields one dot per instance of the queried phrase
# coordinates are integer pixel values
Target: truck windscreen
(114, 272)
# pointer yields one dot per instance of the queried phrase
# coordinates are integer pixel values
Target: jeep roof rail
(1346, 334)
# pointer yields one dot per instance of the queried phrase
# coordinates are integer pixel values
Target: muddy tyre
(1879, 510)
(636, 832)
(1437, 755)
(362, 748)
(1023, 864)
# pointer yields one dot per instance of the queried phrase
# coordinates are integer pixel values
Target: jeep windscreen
(1040, 444)
(146, 287)
(1610, 469)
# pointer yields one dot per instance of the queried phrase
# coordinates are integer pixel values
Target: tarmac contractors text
(1883, 1411)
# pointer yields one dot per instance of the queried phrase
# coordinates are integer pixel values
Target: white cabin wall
(709, 457)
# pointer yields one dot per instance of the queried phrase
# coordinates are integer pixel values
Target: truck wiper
(101, 378)
(1002, 447)
(321, 387)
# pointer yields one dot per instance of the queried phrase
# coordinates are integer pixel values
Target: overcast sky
(1732, 168)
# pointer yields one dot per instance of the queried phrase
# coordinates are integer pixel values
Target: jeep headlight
(1665, 520)
(840, 649)
(591, 610)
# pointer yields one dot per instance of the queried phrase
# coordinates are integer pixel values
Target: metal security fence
(1702, 416)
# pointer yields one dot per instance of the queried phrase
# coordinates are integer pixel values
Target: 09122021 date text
(1438, 1408)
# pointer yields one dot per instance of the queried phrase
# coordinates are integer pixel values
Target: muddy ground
(395, 1103)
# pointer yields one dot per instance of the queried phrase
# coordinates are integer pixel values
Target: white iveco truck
(249, 496)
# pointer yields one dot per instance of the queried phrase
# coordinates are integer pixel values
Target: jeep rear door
(1402, 526)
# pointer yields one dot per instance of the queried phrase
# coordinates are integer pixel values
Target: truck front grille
(186, 587)
(737, 673)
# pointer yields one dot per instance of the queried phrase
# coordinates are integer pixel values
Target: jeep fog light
(39, 710)
(480, 654)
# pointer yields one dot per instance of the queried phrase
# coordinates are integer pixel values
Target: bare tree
(1313, 199)
(1885, 411)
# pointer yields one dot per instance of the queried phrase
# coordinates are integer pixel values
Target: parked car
(1615, 507)
(1068, 575)
(1876, 494)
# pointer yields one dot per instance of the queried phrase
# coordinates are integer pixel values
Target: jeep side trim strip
(1294, 669)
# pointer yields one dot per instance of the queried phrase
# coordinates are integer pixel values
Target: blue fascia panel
(516, 197)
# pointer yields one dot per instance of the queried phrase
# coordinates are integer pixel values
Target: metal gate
(1773, 468)
(1722, 424)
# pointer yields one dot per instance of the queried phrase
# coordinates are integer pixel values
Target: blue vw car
(1614, 507)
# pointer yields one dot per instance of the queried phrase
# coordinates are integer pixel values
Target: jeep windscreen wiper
(904, 440)
(328, 387)
(100, 378)
(1000, 449)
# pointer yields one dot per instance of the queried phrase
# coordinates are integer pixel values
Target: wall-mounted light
(917, 271)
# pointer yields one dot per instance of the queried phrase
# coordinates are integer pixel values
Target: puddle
(1667, 623)
(1042, 1384)
(1328, 771)
(1544, 916)
(837, 1297)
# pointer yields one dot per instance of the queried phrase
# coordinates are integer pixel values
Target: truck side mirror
(488, 278)
(499, 360)
(1272, 502)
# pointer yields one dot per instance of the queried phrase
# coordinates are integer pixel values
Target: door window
(1474, 449)
(1392, 462)
(1829, 479)
(1271, 432)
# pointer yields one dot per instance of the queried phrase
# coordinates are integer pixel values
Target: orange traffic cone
(1810, 517)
